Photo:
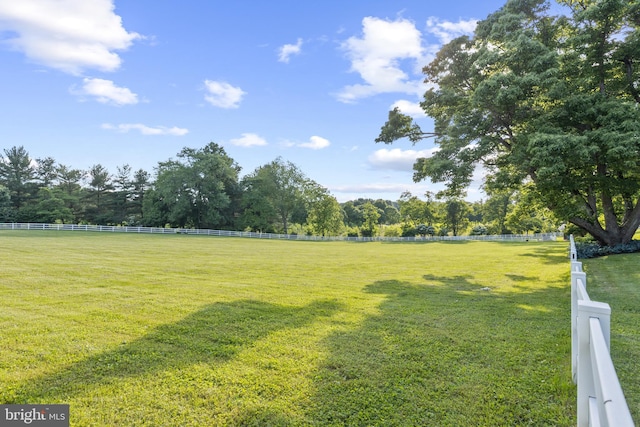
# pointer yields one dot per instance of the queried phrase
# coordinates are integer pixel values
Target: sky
(117, 82)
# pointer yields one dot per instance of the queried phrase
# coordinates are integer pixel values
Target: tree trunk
(608, 237)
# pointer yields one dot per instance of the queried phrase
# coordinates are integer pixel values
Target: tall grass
(185, 330)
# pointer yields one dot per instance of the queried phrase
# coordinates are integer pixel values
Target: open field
(186, 330)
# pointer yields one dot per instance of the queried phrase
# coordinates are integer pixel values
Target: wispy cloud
(446, 31)
(373, 188)
(315, 143)
(222, 94)
(70, 35)
(409, 108)
(249, 140)
(397, 159)
(385, 190)
(106, 92)
(146, 130)
(285, 52)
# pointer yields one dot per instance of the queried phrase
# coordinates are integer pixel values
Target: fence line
(251, 234)
(601, 401)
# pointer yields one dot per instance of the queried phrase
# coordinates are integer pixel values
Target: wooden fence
(601, 401)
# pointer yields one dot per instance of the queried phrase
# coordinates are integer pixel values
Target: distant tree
(289, 185)
(197, 190)
(7, 212)
(17, 174)
(140, 184)
(497, 207)
(353, 214)
(456, 215)
(325, 214)
(476, 212)
(51, 207)
(414, 211)
(123, 194)
(388, 212)
(257, 211)
(371, 216)
(97, 201)
(529, 215)
(392, 215)
(69, 184)
(46, 171)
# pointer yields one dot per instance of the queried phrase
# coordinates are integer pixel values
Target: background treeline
(203, 188)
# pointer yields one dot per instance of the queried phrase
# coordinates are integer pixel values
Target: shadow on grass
(213, 335)
(549, 256)
(521, 278)
(437, 354)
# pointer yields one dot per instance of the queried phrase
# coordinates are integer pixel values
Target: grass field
(144, 330)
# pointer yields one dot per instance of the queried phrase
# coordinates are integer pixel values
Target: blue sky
(133, 82)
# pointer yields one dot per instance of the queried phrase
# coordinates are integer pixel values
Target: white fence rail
(601, 401)
(227, 233)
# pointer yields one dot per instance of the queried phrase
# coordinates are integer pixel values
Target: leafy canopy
(552, 101)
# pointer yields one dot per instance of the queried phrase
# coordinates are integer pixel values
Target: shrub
(408, 231)
(593, 250)
(479, 230)
(392, 230)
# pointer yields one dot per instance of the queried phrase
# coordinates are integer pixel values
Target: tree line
(203, 188)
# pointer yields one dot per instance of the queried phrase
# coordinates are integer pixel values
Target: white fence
(601, 401)
(227, 233)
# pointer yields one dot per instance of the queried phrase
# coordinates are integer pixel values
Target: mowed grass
(616, 281)
(152, 330)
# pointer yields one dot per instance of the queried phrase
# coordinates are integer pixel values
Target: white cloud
(397, 159)
(381, 54)
(146, 130)
(389, 190)
(68, 35)
(376, 58)
(409, 108)
(222, 94)
(249, 140)
(287, 50)
(446, 31)
(372, 188)
(106, 92)
(315, 143)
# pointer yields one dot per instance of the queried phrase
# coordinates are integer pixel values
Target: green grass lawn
(151, 330)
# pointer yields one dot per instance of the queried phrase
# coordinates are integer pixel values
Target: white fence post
(576, 274)
(585, 377)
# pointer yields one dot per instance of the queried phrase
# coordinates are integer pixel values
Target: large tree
(548, 100)
(199, 190)
(274, 193)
